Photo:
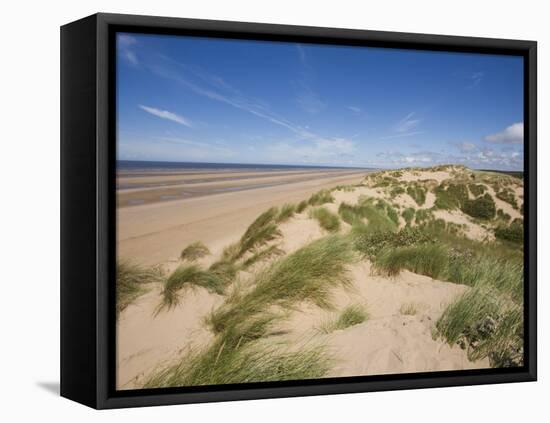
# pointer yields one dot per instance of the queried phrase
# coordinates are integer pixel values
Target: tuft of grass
(225, 270)
(302, 205)
(417, 193)
(376, 215)
(286, 212)
(513, 232)
(408, 309)
(229, 363)
(266, 253)
(131, 282)
(194, 251)
(395, 191)
(477, 189)
(327, 220)
(508, 196)
(370, 244)
(450, 196)
(425, 259)
(321, 197)
(191, 276)
(352, 315)
(259, 233)
(482, 207)
(305, 275)
(408, 215)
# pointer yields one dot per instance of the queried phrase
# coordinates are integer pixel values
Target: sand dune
(398, 335)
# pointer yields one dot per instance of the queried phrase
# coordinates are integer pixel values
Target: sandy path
(155, 233)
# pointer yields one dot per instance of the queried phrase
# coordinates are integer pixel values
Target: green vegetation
(503, 216)
(450, 196)
(191, 276)
(259, 233)
(352, 315)
(425, 259)
(408, 215)
(488, 319)
(321, 197)
(287, 211)
(378, 219)
(370, 244)
(513, 232)
(395, 191)
(482, 207)
(408, 309)
(328, 220)
(305, 275)
(266, 253)
(417, 193)
(302, 205)
(132, 281)
(194, 251)
(508, 196)
(477, 189)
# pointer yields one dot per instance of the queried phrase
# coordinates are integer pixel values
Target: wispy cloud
(225, 93)
(407, 124)
(466, 146)
(354, 109)
(165, 114)
(513, 134)
(308, 99)
(125, 43)
(402, 135)
(476, 78)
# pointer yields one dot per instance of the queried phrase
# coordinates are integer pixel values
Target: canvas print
(293, 211)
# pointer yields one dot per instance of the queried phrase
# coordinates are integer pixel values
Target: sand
(156, 233)
(388, 342)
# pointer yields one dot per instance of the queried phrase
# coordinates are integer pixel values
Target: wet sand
(215, 210)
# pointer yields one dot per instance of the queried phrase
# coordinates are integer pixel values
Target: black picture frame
(88, 212)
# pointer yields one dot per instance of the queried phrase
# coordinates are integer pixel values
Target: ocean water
(133, 166)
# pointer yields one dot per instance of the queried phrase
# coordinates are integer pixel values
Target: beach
(216, 206)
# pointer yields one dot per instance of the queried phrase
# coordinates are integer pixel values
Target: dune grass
(508, 196)
(286, 212)
(327, 220)
(477, 189)
(370, 244)
(425, 259)
(408, 215)
(376, 216)
(417, 193)
(240, 351)
(259, 233)
(321, 197)
(305, 275)
(266, 253)
(482, 207)
(408, 309)
(132, 281)
(194, 251)
(189, 276)
(351, 315)
(302, 205)
(224, 362)
(450, 196)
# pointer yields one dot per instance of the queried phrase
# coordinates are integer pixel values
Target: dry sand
(388, 342)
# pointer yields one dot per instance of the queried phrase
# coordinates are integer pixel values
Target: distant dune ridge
(320, 273)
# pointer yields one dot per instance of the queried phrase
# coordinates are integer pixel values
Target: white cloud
(407, 124)
(125, 43)
(466, 146)
(513, 134)
(354, 109)
(476, 78)
(165, 114)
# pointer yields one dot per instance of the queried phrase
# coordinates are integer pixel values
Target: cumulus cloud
(165, 114)
(513, 134)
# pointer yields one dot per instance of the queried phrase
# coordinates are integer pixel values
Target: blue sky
(236, 101)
